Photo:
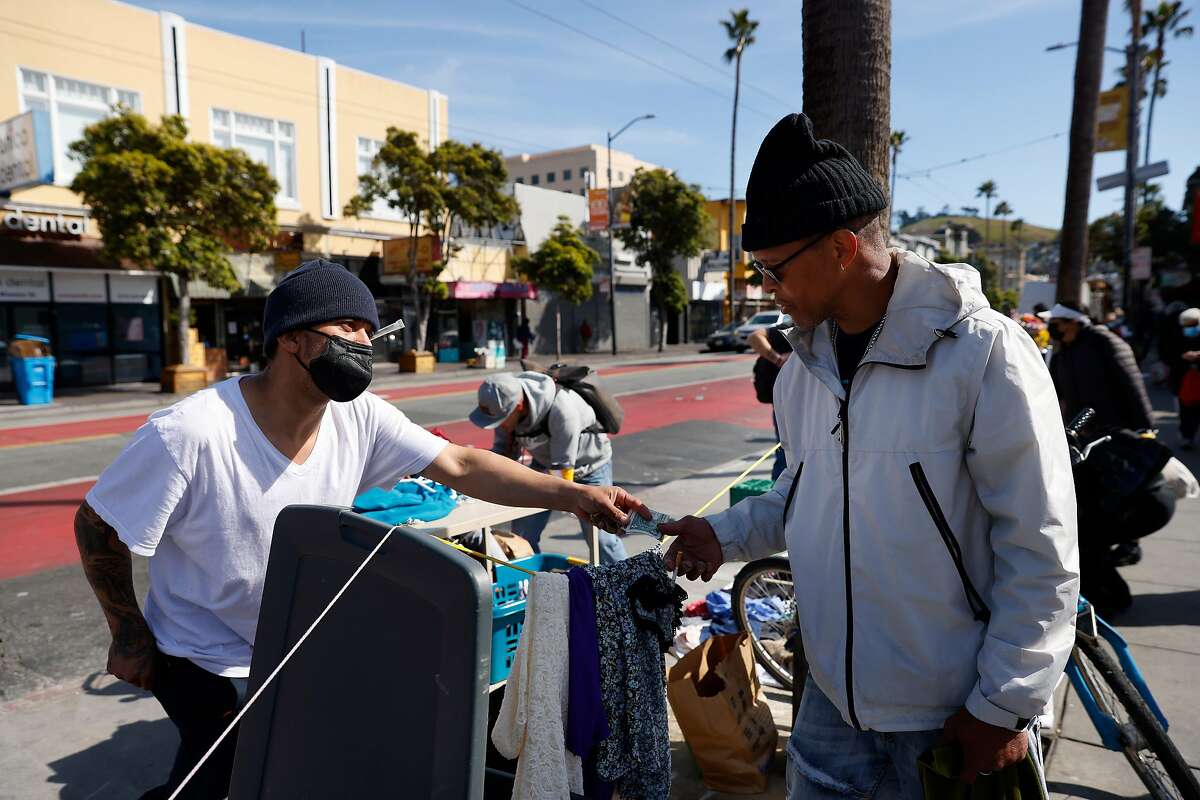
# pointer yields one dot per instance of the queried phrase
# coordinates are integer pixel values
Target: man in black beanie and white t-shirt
(198, 489)
(927, 506)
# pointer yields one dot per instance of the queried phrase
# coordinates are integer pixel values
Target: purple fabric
(587, 722)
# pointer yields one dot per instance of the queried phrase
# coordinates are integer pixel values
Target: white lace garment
(532, 723)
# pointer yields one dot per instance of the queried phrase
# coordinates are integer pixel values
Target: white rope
(282, 662)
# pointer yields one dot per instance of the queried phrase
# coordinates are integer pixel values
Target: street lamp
(612, 264)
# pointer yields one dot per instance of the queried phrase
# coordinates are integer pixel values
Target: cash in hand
(647, 526)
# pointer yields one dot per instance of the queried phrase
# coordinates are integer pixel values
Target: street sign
(1112, 120)
(597, 210)
(26, 151)
(1139, 264)
(1140, 175)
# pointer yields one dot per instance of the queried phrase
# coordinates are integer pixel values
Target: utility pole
(1133, 80)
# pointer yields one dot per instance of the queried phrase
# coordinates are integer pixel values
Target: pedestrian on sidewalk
(529, 412)
(525, 336)
(198, 489)
(1094, 368)
(773, 349)
(1185, 376)
(927, 507)
(585, 334)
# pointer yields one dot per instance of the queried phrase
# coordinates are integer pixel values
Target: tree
(162, 202)
(434, 190)
(1018, 230)
(1089, 65)
(970, 211)
(1003, 209)
(847, 76)
(740, 29)
(895, 143)
(987, 190)
(1164, 20)
(668, 223)
(564, 265)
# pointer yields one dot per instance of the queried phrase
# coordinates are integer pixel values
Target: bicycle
(1101, 669)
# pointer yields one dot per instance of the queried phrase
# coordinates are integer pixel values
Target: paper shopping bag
(714, 693)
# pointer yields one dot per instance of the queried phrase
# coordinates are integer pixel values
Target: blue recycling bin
(33, 376)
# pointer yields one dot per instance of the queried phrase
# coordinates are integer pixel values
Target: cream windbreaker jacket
(929, 516)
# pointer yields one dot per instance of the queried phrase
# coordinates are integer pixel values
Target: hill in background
(935, 225)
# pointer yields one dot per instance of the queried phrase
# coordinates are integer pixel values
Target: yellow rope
(737, 480)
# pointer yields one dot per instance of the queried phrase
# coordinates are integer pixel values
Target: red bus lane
(36, 525)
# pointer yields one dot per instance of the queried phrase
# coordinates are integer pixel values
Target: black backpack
(609, 414)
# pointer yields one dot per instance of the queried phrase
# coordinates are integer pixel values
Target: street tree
(1165, 19)
(563, 265)
(668, 224)
(740, 29)
(987, 190)
(895, 144)
(1089, 66)
(847, 76)
(403, 176)
(165, 203)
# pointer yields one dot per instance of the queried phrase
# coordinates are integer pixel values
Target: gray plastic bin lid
(388, 696)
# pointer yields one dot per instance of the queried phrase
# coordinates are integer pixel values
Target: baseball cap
(1063, 312)
(498, 397)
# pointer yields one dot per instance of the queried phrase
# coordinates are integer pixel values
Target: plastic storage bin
(509, 591)
(750, 488)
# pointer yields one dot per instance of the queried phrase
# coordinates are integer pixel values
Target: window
(268, 141)
(367, 150)
(549, 177)
(620, 176)
(566, 174)
(520, 180)
(73, 105)
(533, 180)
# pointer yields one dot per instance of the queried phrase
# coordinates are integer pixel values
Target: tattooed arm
(109, 569)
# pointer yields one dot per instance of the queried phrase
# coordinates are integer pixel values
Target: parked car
(764, 319)
(723, 338)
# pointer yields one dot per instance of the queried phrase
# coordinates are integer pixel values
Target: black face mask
(343, 371)
(1055, 331)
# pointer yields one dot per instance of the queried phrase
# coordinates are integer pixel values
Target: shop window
(73, 105)
(367, 149)
(81, 344)
(269, 141)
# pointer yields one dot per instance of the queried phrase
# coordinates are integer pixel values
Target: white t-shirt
(199, 489)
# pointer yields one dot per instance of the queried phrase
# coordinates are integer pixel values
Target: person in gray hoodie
(529, 412)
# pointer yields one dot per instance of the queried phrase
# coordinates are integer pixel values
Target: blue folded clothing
(759, 610)
(410, 500)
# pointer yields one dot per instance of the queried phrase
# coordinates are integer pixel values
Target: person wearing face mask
(1188, 370)
(1093, 367)
(198, 488)
(927, 506)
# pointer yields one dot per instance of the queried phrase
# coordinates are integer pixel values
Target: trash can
(32, 369)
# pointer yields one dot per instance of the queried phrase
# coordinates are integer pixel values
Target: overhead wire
(670, 45)
(967, 159)
(635, 56)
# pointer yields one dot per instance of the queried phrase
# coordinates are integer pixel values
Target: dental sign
(26, 151)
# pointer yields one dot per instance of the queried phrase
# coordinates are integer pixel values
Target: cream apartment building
(575, 169)
(315, 123)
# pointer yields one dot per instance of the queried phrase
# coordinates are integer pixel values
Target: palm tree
(987, 190)
(1018, 230)
(1162, 21)
(1003, 209)
(896, 143)
(848, 77)
(740, 29)
(1089, 66)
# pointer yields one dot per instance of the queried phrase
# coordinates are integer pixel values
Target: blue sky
(967, 79)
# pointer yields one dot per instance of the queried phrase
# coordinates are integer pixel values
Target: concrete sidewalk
(72, 405)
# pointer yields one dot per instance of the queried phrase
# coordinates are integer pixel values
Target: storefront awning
(487, 290)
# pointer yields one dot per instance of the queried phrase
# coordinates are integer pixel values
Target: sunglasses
(774, 272)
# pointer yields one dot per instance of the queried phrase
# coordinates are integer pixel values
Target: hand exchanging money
(695, 553)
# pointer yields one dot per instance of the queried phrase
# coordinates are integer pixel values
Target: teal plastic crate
(509, 591)
(750, 488)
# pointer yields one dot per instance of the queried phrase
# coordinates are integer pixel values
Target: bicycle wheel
(764, 606)
(1144, 741)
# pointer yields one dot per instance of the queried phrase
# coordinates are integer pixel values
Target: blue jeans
(612, 549)
(830, 760)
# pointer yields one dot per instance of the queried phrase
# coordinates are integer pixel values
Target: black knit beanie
(317, 291)
(801, 185)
